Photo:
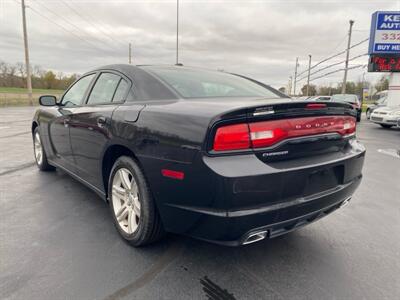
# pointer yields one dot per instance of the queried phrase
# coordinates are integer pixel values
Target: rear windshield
(345, 98)
(191, 83)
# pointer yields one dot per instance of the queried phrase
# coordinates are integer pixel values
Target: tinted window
(325, 98)
(121, 91)
(75, 94)
(209, 84)
(104, 89)
(382, 100)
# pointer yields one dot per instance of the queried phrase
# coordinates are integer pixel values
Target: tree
(49, 80)
(282, 90)
(312, 91)
(14, 75)
(383, 84)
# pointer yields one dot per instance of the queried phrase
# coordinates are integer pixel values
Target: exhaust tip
(255, 237)
(345, 202)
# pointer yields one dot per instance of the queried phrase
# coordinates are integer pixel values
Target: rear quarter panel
(169, 136)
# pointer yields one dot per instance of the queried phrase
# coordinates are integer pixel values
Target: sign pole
(384, 50)
(394, 89)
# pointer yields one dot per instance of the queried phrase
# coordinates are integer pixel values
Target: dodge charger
(213, 155)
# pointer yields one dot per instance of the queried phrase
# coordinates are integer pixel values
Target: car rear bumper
(236, 227)
(241, 195)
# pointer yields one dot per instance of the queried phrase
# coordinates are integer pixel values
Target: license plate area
(325, 179)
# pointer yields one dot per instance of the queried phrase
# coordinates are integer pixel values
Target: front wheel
(40, 153)
(133, 208)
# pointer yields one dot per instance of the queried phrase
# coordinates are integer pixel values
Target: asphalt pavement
(57, 240)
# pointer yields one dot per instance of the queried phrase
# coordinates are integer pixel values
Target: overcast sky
(260, 39)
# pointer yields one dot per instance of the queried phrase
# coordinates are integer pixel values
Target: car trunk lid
(285, 130)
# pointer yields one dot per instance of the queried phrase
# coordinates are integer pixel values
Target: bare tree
(21, 69)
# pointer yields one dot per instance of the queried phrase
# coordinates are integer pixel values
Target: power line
(91, 23)
(332, 65)
(338, 70)
(335, 55)
(62, 27)
(68, 22)
(101, 25)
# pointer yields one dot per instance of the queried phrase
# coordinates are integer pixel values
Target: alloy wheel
(126, 200)
(38, 148)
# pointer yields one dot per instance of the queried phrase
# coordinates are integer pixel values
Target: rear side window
(104, 89)
(77, 92)
(121, 91)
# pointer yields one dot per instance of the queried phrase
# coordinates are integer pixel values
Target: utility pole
(308, 76)
(295, 76)
(289, 89)
(130, 53)
(347, 58)
(27, 64)
(177, 32)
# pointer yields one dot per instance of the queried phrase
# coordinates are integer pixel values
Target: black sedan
(217, 156)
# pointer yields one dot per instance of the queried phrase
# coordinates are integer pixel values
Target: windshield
(345, 98)
(382, 100)
(194, 83)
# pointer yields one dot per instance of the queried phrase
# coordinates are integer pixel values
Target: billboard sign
(384, 63)
(385, 33)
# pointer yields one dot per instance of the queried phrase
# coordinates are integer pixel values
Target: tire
(358, 115)
(134, 211)
(40, 153)
(386, 126)
(368, 113)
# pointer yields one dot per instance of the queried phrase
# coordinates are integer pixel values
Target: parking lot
(57, 240)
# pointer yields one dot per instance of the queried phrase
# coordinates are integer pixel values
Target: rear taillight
(268, 133)
(232, 137)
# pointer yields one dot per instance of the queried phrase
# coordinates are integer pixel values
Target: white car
(386, 116)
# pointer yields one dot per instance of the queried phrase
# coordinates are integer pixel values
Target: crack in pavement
(166, 258)
(20, 167)
(15, 134)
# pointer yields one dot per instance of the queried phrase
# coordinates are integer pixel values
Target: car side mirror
(47, 100)
(376, 103)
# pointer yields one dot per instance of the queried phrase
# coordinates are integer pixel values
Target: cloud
(256, 38)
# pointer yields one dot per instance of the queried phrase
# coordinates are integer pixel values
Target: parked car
(379, 103)
(302, 98)
(351, 99)
(321, 98)
(207, 154)
(386, 116)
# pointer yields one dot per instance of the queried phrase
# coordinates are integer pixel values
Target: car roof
(132, 69)
(147, 86)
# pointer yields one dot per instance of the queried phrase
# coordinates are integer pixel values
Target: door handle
(101, 121)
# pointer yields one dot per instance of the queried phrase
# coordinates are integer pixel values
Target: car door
(90, 128)
(59, 127)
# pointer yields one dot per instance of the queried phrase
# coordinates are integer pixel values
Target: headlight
(397, 113)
